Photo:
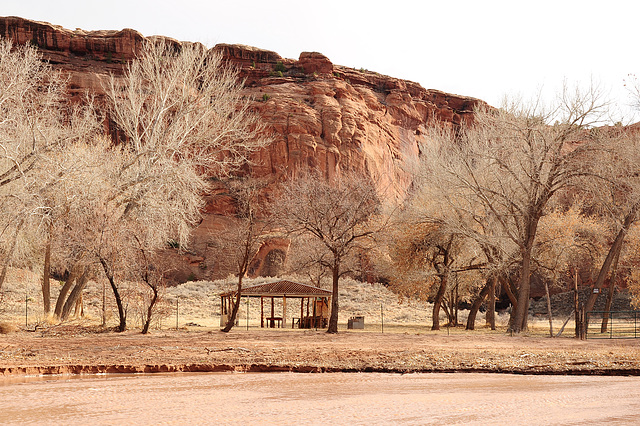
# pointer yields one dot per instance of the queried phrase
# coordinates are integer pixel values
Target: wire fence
(613, 325)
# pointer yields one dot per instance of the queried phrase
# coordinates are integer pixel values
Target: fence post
(611, 322)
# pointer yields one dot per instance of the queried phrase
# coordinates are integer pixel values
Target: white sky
(484, 49)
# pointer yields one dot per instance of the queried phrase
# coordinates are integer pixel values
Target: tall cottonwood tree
(182, 117)
(508, 165)
(427, 257)
(335, 212)
(433, 257)
(40, 132)
(431, 252)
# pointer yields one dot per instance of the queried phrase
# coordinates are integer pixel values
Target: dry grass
(198, 306)
(6, 328)
(199, 303)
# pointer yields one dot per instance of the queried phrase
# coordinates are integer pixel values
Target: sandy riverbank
(76, 350)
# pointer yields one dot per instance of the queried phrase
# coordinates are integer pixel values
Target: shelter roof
(280, 289)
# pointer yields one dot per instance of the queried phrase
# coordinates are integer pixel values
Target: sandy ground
(76, 350)
(407, 345)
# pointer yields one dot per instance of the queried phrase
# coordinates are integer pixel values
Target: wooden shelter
(314, 304)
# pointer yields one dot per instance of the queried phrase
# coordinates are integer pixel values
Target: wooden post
(222, 322)
(261, 311)
(301, 311)
(284, 311)
(270, 324)
(583, 322)
(315, 322)
(575, 303)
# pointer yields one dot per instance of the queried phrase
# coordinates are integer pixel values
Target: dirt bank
(81, 350)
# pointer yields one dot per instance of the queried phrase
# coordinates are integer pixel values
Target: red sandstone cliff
(322, 115)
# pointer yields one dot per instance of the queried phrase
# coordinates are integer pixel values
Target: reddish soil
(74, 350)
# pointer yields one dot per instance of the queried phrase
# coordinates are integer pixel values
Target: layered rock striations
(320, 115)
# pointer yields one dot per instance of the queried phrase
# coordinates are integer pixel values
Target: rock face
(321, 115)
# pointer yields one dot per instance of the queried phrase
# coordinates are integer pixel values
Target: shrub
(280, 67)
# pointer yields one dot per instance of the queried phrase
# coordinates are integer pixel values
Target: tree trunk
(46, 278)
(435, 323)
(576, 304)
(333, 319)
(122, 326)
(79, 311)
(234, 311)
(612, 287)
(614, 251)
(456, 306)
(519, 314)
(73, 274)
(154, 299)
(12, 248)
(490, 317)
(471, 319)
(447, 307)
(75, 295)
(546, 289)
(507, 288)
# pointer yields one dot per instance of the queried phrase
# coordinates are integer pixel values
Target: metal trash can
(355, 323)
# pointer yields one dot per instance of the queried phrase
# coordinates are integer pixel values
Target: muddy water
(289, 398)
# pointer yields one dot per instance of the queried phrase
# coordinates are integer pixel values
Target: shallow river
(337, 398)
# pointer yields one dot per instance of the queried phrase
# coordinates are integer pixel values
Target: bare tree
(432, 252)
(151, 275)
(508, 165)
(426, 258)
(242, 240)
(38, 124)
(182, 117)
(336, 213)
(567, 238)
(617, 198)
